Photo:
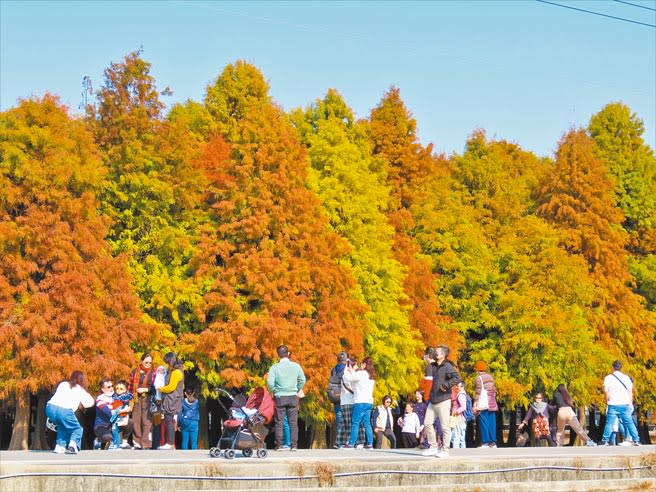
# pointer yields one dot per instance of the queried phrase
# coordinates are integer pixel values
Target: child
(122, 407)
(156, 405)
(458, 407)
(188, 420)
(410, 427)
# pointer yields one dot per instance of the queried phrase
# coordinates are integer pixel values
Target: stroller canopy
(261, 400)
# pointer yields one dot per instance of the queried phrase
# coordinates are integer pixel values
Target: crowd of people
(147, 409)
(141, 413)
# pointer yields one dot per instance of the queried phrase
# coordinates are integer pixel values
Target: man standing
(619, 397)
(285, 380)
(486, 407)
(444, 375)
(335, 385)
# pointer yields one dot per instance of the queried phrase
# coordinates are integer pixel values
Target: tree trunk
(203, 426)
(39, 439)
(318, 436)
(21, 429)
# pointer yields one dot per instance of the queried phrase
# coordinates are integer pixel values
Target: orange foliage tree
(578, 199)
(271, 266)
(65, 302)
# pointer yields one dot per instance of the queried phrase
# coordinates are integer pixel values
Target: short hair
(122, 382)
(617, 365)
(103, 382)
(282, 351)
(444, 349)
(342, 357)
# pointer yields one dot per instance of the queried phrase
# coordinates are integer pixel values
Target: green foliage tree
(408, 165)
(153, 192)
(352, 187)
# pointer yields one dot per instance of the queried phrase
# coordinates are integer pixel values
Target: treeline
(223, 228)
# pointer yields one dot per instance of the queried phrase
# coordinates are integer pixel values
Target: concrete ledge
(558, 469)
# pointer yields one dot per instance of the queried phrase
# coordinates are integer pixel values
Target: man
(487, 417)
(335, 385)
(285, 381)
(443, 375)
(619, 397)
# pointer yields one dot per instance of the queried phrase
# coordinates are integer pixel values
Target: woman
(141, 380)
(384, 423)
(567, 416)
(173, 396)
(346, 408)
(540, 412)
(487, 417)
(362, 382)
(61, 408)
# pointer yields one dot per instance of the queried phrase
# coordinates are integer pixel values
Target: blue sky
(522, 70)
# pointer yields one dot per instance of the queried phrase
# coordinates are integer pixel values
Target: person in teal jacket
(285, 381)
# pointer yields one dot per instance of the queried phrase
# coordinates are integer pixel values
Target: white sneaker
(137, 446)
(166, 447)
(72, 448)
(442, 454)
(430, 452)
(626, 443)
(59, 449)
(591, 443)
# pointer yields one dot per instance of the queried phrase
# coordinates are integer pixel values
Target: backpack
(469, 410)
(335, 386)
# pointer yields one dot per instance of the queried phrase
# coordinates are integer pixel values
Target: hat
(480, 366)
(617, 365)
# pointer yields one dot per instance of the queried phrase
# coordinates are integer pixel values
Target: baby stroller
(246, 426)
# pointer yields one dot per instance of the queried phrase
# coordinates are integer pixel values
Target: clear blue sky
(522, 70)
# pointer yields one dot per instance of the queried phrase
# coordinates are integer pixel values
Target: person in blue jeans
(362, 381)
(619, 397)
(188, 420)
(61, 408)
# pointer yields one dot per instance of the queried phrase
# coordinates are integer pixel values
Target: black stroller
(246, 426)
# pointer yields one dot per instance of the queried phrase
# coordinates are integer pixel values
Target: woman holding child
(172, 397)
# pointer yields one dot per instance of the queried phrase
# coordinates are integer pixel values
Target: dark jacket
(445, 376)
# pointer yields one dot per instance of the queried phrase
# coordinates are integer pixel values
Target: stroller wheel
(215, 452)
(229, 454)
(261, 453)
(248, 452)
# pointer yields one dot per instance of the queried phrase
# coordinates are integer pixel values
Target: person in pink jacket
(485, 405)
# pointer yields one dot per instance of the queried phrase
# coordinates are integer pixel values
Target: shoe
(430, 452)
(591, 443)
(137, 446)
(359, 446)
(484, 446)
(604, 444)
(125, 445)
(368, 446)
(492, 445)
(59, 449)
(96, 444)
(166, 447)
(626, 443)
(348, 447)
(72, 448)
(636, 443)
(442, 454)
(113, 447)
(292, 449)
(336, 446)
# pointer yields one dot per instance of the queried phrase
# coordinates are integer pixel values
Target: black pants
(287, 405)
(389, 434)
(409, 440)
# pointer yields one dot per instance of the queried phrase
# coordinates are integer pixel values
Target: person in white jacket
(362, 381)
(61, 408)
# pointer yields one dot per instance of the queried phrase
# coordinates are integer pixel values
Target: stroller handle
(224, 392)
